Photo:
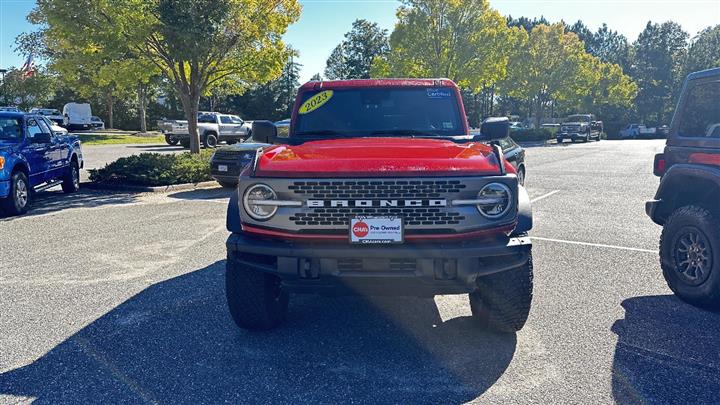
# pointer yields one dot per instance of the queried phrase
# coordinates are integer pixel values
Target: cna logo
(360, 229)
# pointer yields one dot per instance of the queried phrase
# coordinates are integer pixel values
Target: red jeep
(380, 189)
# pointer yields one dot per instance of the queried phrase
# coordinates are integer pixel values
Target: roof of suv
(704, 73)
(335, 84)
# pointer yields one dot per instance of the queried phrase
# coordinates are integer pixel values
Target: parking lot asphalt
(109, 298)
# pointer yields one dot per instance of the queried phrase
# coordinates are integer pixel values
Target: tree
(704, 53)
(658, 67)
(316, 77)
(552, 66)
(353, 57)
(196, 44)
(466, 41)
(27, 92)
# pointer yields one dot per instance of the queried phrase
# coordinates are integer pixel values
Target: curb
(147, 189)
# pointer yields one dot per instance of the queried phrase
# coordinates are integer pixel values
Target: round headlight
(495, 200)
(254, 196)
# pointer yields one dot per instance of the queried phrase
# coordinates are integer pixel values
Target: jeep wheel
(210, 141)
(521, 175)
(228, 184)
(502, 300)
(18, 201)
(171, 140)
(185, 143)
(71, 180)
(690, 256)
(256, 300)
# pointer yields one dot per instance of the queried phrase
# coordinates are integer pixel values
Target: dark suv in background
(687, 204)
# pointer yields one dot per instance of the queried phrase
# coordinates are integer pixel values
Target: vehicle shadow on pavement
(218, 193)
(174, 342)
(53, 201)
(667, 352)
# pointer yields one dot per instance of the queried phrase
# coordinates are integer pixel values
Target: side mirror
(264, 131)
(42, 137)
(494, 129)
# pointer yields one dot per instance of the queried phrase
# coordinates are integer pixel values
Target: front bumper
(571, 135)
(4, 189)
(408, 269)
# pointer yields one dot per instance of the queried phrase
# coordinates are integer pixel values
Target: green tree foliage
(353, 57)
(466, 41)
(704, 53)
(658, 69)
(196, 44)
(316, 77)
(27, 92)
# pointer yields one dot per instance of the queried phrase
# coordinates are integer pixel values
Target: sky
(324, 22)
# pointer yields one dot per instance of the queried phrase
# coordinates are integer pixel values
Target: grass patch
(101, 139)
(156, 169)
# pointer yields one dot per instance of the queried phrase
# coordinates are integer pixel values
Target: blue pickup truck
(33, 158)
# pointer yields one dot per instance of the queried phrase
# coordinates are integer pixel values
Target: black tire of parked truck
(690, 256)
(18, 202)
(71, 179)
(502, 300)
(255, 299)
(171, 140)
(210, 140)
(185, 143)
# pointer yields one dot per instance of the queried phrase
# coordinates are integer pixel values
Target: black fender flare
(232, 222)
(672, 180)
(525, 220)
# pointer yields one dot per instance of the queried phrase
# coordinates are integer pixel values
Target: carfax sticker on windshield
(438, 93)
(315, 102)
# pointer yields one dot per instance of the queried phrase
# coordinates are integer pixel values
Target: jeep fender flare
(232, 223)
(669, 194)
(525, 220)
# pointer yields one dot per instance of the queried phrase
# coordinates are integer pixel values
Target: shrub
(532, 135)
(155, 169)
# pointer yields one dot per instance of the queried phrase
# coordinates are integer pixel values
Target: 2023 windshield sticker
(315, 102)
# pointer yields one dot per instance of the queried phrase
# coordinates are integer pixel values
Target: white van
(77, 116)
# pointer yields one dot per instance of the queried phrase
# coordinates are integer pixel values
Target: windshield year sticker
(438, 93)
(315, 102)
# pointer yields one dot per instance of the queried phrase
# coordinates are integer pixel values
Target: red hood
(377, 157)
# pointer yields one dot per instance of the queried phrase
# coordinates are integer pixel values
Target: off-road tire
(185, 143)
(171, 140)
(71, 179)
(227, 184)
(12, 204)
(698, 219)
(502, 300)
(210, 141)
(255, 299)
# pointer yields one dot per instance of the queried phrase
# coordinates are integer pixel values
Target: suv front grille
(368, 265)
(376, 189)
(412, 216)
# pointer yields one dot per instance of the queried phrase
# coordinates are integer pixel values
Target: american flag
(28, 69)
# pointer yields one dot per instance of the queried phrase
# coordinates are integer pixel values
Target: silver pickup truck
(213, 128)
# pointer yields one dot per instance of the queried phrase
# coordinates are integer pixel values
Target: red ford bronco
(380, 189)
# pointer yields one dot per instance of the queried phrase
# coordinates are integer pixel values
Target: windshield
(207, 118)
(380, 111)
(578, 118)
(10, 129)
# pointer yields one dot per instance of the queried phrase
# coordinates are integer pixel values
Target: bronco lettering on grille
(376, 203)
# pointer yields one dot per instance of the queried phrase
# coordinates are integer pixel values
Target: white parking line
(572, 242)
(544, 196)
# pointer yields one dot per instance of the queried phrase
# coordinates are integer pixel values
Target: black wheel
(256, 300)
(71, 180)
(18, 201)
(210, 141)
(171, 140)
(521, 175)
(502, 300)
(228, 184)
(231, 142)
(690, 256)
(185, 143)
